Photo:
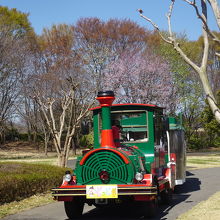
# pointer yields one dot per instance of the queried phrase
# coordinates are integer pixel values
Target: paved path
(200, 185)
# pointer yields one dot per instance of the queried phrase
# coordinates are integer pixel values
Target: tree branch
(205, 36)
(216, 10)
(204, 21)
(169, 19)
(202, 70)
(155, 27)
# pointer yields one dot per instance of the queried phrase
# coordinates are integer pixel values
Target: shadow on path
(132, 213)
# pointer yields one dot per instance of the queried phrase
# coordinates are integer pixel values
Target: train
(138, 157)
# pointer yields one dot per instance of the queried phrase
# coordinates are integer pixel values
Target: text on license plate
(101, 191)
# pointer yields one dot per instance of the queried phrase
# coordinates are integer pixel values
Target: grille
(119, 172)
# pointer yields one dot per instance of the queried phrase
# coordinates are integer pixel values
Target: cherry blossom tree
(141, 77)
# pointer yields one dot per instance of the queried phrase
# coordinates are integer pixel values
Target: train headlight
(67, 177)
(139, 176)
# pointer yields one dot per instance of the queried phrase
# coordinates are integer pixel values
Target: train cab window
(160, 138)
(158, 128)
(132, 124)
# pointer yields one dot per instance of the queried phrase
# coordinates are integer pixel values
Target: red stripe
(119, 186)
(133, 104)
(104, 148)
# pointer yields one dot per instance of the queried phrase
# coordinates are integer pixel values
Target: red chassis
(144, 191)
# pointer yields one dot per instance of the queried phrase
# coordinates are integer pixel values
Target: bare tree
(99, 43)
(60, 87)
(206, 33)
(63, 111)
(12, 62)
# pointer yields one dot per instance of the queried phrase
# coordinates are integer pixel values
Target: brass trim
(119, 188)
(120, 194)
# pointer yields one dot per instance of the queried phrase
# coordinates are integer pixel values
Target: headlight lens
(139, 176)
(67, 177)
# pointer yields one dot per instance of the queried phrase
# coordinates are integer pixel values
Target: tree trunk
(34, 136)
(214, 108)
(2, 135)
(209, 95)
(45, 145)
(62, 161)
(28, 132)
(74, 146)
(216, 11)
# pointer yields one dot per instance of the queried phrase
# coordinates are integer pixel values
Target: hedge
(22, 180)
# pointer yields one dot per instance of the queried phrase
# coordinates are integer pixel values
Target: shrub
(87, 140)
(21, 180)
(195, 142)
(23, 136)
(11, 134)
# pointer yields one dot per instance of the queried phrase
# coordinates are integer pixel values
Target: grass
(44, 160)
(209, 209)
(28, 155)
(205, 210)
(204, 161)
(25, 204)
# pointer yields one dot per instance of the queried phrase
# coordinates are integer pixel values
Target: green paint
(119, 172)
(175, 124)
(166, 158)
(106, 118)
(135, 121)
(96, 130)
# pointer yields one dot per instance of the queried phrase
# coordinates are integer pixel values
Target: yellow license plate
(101, 191)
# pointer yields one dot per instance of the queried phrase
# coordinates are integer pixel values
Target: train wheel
(150, 208)
(166, 196)
(74, 208)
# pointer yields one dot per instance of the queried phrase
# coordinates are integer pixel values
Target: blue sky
(44, 13)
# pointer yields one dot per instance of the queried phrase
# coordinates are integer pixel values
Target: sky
(45, 13)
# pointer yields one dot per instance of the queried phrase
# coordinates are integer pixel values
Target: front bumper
(123, 190)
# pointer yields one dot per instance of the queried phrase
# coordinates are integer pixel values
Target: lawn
(205, 210)
(203, 161)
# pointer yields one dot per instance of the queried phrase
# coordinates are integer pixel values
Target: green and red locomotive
(138, 156)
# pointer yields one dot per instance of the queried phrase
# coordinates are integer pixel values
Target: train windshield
(132, 124)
